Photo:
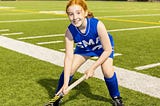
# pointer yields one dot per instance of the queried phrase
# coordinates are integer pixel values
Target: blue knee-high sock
(61, 81)
(112, 85)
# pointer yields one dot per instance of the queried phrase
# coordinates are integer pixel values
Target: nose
(74, 16)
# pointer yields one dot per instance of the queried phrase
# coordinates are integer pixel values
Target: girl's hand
(89, 73)
(63, 90)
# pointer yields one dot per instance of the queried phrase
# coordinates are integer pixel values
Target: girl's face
(76, 15)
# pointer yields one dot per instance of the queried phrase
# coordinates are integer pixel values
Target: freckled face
(76, 15)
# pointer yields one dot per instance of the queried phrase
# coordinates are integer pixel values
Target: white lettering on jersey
(79, 44)
(90, 42)
(97, 40)
(97, 47)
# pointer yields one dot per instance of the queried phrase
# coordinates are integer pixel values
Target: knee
(108, 72)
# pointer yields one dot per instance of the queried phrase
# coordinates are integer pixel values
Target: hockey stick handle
(76, 82)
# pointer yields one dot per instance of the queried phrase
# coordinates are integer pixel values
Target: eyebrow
(76, 10)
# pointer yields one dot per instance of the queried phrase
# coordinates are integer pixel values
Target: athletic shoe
(117, 101)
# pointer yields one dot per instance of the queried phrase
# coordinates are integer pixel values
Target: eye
(70, 14)
(78, 12)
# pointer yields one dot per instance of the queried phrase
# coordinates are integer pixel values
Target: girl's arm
(67, 61)
(68, 56)
(105, 41)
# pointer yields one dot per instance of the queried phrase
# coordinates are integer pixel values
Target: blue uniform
(88, 43)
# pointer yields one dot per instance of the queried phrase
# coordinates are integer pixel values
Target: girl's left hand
(89, 73)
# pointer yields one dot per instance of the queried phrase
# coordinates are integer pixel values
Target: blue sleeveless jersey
(88, 43)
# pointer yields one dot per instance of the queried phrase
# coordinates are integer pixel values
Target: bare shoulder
(68, 34)
(101, 28)
(100, 24)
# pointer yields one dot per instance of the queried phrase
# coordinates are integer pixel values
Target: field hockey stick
(56, 99)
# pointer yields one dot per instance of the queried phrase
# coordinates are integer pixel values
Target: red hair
(81, 3)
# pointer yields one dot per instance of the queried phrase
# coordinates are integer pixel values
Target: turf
(31, 82)
(28, 81)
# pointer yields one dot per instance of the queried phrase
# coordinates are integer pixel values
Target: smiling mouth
(76, 20)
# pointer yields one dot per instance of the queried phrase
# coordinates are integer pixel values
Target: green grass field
(31, 82)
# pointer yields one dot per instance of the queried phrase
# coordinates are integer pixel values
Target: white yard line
(127, 78)
(6, 7)
(34, 20)
(4, 30)
(147, 66)
(16, 33)
(54, 19)
(63, 50)
(114, 30)
(115, 54)
(51, 42)
(129, 29)
(44, 36)
(16, 13)
(140, 15)
(53, 12)
(125, 10)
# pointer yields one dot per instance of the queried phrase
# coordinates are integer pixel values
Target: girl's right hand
(63, 90)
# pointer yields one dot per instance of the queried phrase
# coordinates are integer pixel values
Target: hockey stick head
(55, 101)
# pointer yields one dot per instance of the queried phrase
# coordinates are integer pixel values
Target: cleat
(117, 101)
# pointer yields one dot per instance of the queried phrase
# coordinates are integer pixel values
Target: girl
(91, 39)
